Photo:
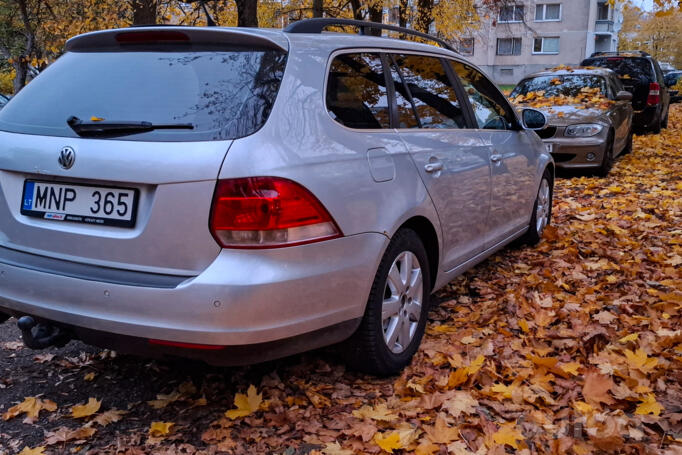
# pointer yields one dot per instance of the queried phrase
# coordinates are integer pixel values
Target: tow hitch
(40, 336)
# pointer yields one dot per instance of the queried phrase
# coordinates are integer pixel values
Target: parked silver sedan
(590, 115)
(237, 195)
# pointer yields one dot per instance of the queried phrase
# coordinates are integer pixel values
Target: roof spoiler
(155, 35)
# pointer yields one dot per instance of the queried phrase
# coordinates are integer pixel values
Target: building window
(548, 12)
(466, 46)
(546, 45)
(509, 46)
(602, 11)
(512, 13)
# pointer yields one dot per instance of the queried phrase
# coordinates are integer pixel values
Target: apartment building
(536, 34)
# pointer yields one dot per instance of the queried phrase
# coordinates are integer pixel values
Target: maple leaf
(160, 429)
(111, 416)
(32, 407)
(334, 448)
(246, 404)
(89, 377)
(596, 388)
(64, 434)
(640, 361)
(508, 434)
(631, 337)
(388, 441)
(87, 409)
(426, 447)
(379, 412)
(164, 400)
(440, 432)
(649, 405)
(571, 368)
(460, 402)
(35, 451)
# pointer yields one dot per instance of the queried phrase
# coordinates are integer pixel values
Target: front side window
(489, 105)
(546, 45)
(433, 96)
(548, 12)
(511, 13)
(356, 91)
(509, 46)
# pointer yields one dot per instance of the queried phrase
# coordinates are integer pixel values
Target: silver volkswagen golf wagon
(238, 195)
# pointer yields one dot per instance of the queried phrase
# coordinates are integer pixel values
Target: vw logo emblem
(67, 157)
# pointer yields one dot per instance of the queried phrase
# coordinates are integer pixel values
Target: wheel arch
(429, 237)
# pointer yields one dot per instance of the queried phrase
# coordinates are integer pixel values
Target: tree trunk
(402, 12)
(318, 8)
(376, 14)
(21, 73)
(247, 13)
(144, 12)
(424, 15)
(357, 12)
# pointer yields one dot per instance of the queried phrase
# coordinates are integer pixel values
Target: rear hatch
(636, 73)
(110, 157)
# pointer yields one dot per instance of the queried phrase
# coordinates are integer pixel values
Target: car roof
(593, 71)
(320, 42)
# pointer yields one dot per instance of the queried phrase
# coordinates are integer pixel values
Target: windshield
(625, 67)
(222, 94)
(571, 86)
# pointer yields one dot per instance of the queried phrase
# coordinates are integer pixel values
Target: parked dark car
(642, 76)
(671, 81)
(3, 100)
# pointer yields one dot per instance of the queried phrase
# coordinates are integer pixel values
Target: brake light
(152, 36)
(654, 94)
(268, 212)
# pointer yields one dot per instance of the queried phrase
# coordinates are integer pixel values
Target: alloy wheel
(543, 207)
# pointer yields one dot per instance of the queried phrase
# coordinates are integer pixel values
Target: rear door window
(434, 98)
(224, 94)
(356, 91)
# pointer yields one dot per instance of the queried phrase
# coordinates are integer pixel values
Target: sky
(645, 4)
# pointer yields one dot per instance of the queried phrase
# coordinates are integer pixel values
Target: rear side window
(223, 94)
(433, 96)
(356, 91)
(625, 67)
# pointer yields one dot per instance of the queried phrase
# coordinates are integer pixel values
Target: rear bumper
(646, 118)
(245, 297)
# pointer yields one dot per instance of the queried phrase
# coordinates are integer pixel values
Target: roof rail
(642, 53)
(317, 25)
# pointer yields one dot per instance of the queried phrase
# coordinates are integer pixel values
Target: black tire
(366, 350)
(607, 161)
(664, 123)
(533, 234)
(628, 144)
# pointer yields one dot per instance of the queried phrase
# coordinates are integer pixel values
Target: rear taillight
(268, 212)
(654, 94)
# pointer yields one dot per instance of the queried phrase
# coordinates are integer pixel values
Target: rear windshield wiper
(114, 128)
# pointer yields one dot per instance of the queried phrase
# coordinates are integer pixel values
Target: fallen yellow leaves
(160, 429)
(508, 434)
(32, 407)
(246, 404)
(649, 405)
(87, 409)
(35, 451)
(379, 412)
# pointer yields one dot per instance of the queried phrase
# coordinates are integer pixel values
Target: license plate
(549, 148)
(103, 206)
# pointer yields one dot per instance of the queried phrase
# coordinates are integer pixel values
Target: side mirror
(623, 96)
(533, 119)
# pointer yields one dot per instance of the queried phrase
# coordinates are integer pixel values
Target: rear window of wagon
(225, 94)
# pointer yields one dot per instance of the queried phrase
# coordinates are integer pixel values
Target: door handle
(496, 158)
(434, 167)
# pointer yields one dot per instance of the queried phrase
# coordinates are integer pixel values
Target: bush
(7, 83)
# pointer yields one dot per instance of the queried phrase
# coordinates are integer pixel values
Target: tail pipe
(42, 335)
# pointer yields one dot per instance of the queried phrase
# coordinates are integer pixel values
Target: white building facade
(533, 35)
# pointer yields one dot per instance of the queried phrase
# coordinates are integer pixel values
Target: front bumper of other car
(577, 152)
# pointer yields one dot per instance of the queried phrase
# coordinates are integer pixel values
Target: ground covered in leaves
(571, 347)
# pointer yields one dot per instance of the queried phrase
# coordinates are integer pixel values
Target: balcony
(603, 26)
